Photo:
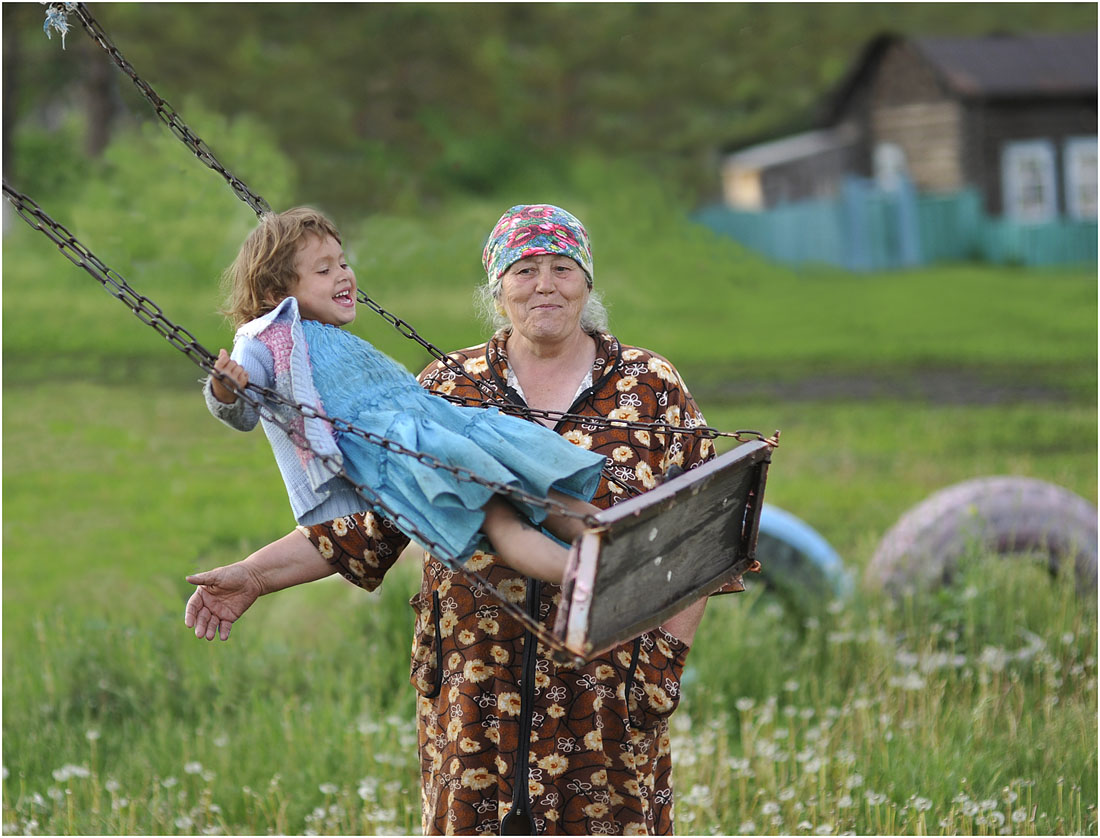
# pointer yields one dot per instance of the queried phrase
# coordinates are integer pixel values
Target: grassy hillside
(869, 716)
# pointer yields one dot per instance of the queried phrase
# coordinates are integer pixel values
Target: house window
(890, 166)
(1080, 163)
(1027, 172)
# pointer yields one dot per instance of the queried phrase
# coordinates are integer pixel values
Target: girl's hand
(222, 596)
(234, 371)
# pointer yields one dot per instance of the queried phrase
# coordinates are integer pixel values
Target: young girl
(291, 294)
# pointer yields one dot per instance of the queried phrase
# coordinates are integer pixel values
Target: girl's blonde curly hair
(264, 273)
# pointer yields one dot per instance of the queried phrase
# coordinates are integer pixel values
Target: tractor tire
(1004, 516)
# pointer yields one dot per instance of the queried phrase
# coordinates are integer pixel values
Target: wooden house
(1012, 116)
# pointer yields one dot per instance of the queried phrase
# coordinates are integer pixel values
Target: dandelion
(909, 681)
(747, 828)
(112, 785)
(970, 808)
(769, 808)
(805, 825)
(744, 705)
(874, 798)
(854, 781)
(786, 794)
(328, 788)
(169, 782)
(91, 734)
(922, 804)
(184, 823)
(192, 768)
(1019, 815)
(55, 794)
(67, 772)
(790, 685)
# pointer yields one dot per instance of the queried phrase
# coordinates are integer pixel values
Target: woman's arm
(225, 593)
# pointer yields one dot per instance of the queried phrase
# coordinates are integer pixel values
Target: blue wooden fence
(865, 228)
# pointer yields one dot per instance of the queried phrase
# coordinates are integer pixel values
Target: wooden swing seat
(656, 553)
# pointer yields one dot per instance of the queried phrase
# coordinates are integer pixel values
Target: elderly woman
(510, 741)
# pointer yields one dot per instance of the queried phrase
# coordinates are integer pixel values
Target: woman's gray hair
(489, 309)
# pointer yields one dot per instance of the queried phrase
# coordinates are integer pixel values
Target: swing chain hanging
(152, 315)
(492, 399)
(143, 308)
(260, 398)
(167, 114)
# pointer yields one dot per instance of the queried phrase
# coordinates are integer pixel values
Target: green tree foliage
(390, 105)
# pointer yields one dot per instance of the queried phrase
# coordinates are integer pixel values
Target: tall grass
(972, 710)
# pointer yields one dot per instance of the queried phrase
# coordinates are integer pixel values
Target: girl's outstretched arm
(225, 593)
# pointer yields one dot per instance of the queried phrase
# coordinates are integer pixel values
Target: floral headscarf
(530, 230)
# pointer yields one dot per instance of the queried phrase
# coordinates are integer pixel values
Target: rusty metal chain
(172, 119)
(151, 314)
(165, 111)
(260, 398)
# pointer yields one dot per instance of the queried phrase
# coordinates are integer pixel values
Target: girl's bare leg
(521, 545)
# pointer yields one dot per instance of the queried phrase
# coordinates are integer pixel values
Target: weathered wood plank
(656, 553)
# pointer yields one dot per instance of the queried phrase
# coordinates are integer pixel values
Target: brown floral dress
(511, 742)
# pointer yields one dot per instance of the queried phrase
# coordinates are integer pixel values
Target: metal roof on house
(795, 147)
(1014, 65)
(1039, 65)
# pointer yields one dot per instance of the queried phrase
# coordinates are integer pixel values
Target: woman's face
(543, 297)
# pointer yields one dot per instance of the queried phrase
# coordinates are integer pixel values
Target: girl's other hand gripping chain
(234, 371)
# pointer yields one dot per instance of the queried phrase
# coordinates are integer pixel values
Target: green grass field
(971, 710)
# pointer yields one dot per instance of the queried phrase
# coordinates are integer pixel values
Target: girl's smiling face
(325, 287)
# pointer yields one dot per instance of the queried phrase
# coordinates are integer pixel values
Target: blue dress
(373, 392)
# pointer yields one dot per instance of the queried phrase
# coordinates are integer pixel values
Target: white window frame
(1030, 188)
(1079, 161)
(891, 166)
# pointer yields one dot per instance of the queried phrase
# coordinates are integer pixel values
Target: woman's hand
(231, 369)
(223, 595)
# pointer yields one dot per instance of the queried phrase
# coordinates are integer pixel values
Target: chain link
(167, 113)
(492, 399)
(151, 314)
(261, 398)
